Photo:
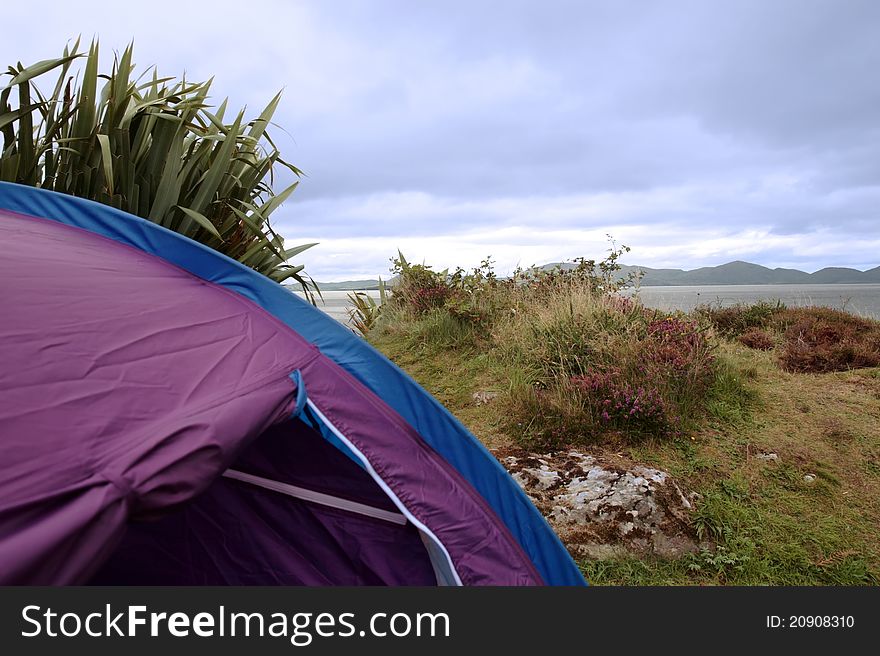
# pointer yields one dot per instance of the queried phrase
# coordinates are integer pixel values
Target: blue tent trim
(437, 426)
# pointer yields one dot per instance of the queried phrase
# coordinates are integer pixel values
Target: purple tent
(168, 416)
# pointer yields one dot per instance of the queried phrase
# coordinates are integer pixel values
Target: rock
(768, 456)
(543, 478)
(482, 398)
(605, 509)
(809, 478)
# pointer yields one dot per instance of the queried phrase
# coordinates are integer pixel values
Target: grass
(769, 525)
(774, 527)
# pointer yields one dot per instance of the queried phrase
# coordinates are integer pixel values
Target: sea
(862, 299)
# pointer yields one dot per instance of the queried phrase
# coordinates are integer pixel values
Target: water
(336, 304)
(863, 300)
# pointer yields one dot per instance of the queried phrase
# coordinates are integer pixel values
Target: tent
(169, 416)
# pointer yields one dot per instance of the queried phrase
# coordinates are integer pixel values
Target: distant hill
(746, 273)
(732, 273)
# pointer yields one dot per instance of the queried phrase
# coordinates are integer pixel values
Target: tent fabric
(110, 351)
(431, 490)
(340, 363)
(122, 395)
(362, 551)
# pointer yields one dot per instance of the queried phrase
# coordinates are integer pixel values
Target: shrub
(424, 299)
(475, 296)
(601, 277)
(608, 365)
(820, 340)
(585, 360)
(678, 344)
(787, 317)
(615, 403)
(418, 288)
(814, 339)
(737, 319)
(758, 339)
(679, 360)
(469, 309)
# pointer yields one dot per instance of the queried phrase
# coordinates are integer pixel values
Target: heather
(805, 339)
(582, 360)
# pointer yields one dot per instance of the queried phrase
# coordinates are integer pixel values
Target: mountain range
(732, 273)
(746, 273)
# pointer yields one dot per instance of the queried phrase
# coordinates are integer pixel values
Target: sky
(696, 132)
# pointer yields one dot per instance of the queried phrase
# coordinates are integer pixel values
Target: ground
(787, 493)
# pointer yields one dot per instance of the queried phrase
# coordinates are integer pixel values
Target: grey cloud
(462, 118)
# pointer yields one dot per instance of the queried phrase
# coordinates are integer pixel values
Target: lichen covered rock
(605, 506)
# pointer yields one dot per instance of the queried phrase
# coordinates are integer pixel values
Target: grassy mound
(582, 362)
(786, 465)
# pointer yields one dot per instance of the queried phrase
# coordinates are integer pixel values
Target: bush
(814, 339)
(364, 312)
(469, 298)
(679, 345)
(607, 365)
(585, 360)
(738, 319)
(615, 403)
(758, 339)
(418, 288)
(820, 340)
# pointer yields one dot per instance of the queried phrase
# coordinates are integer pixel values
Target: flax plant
(152, 146)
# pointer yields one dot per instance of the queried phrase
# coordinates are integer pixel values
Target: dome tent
(168, 416)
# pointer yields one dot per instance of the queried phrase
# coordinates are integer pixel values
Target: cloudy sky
(694, 132)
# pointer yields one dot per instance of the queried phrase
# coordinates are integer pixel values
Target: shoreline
(861, 299)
